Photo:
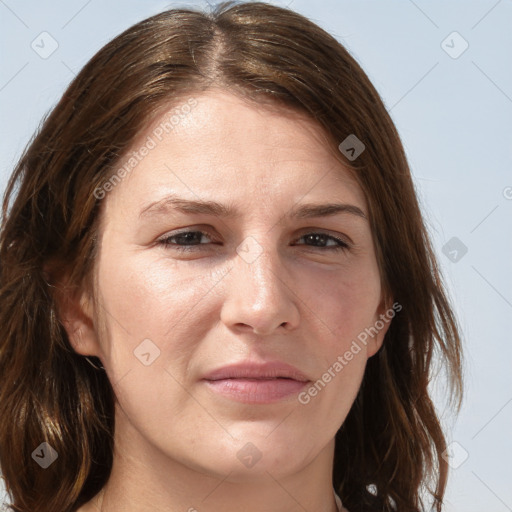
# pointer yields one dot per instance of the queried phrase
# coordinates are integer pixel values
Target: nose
(259, 295)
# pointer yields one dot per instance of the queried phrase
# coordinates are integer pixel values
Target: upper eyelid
(306, 231)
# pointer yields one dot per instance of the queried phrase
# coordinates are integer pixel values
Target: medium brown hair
(390, 446)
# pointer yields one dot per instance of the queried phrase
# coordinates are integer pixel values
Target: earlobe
(382, 321)
(80, 331)
(374, 344)
(83, 338)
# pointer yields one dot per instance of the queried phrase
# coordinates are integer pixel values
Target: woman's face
(214, 253)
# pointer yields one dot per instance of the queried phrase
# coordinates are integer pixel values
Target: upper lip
(253, 370)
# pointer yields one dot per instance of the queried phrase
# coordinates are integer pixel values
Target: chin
(254, 456)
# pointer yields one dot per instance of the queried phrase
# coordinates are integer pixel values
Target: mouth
(253, 383)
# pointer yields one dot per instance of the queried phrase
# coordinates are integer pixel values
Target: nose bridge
(258, 295)
(260, 266)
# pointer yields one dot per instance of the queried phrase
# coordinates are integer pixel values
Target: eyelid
(343, 243)
(184, 231)
(345, 239)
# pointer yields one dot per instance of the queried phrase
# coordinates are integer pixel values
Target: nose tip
(259, 298)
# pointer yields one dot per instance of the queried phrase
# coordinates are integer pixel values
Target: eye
(191, 240)
(320, 241)
(184, 241)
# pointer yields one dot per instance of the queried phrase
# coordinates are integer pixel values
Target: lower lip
(256, 391)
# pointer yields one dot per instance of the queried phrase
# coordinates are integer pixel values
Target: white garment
(341, 508)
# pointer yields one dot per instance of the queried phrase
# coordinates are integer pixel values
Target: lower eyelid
(340, 243)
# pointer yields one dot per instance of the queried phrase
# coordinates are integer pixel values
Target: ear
(382, 320)
(75, 312)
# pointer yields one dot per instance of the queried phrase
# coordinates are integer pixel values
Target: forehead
(217, 145)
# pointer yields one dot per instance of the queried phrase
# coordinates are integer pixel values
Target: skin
(300, 302)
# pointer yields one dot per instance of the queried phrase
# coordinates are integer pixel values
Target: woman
(217, 288)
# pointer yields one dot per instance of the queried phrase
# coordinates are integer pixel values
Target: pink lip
(256, 383)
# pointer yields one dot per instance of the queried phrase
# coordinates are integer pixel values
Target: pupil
(317, 237)
(189, 237)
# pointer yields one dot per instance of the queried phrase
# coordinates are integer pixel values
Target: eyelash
(344, 246)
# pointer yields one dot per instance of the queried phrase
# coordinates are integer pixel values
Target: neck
(143, 479)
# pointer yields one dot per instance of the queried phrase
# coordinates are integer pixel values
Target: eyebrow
(205, 207)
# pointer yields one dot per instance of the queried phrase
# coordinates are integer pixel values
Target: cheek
(344, 307)
(344, 303)
(151, 306)
(347, 305)
(152, 311)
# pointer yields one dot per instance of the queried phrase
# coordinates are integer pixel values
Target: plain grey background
(444, 72)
